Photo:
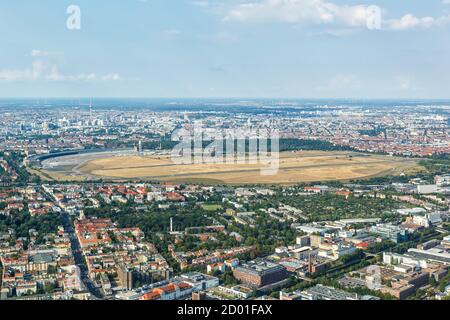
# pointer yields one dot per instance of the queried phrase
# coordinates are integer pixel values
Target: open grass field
(46, 175)
(295, 167)
(211, 207)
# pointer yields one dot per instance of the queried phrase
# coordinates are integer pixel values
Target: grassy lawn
(211, 207)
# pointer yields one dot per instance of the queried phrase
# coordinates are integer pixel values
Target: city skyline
(133, 201)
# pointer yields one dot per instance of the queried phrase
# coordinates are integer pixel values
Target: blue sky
(225, 48)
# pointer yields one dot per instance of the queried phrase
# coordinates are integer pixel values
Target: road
(76, 250)
(79, 260)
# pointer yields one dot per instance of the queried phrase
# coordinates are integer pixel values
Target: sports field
(294, 167)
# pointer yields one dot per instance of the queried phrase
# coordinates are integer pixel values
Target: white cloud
(44, 68)
(39, 53)
(325, 13)
(410, 21)
(36, 71)
(317, 12)
(13, 75)
(111, 77)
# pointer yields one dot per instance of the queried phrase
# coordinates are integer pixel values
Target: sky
(226, 49)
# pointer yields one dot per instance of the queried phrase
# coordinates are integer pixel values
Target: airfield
(294, 167)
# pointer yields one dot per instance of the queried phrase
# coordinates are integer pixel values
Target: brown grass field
(295, 167)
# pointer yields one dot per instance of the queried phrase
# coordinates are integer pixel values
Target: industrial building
(259, 273)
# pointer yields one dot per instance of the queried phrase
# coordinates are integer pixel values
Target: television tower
(140, 147)
(90, 111)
